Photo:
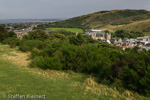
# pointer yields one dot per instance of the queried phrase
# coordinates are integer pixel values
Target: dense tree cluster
(4, 34)
(127, 34)
(36, 35)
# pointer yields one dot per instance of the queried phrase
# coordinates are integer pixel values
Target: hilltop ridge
(102, 19)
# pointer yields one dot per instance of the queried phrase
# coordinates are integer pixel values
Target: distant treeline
(127, 34)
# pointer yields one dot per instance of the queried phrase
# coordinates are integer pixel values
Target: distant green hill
(102, 19)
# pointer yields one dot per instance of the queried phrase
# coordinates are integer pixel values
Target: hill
(140, 26)
(114, 18)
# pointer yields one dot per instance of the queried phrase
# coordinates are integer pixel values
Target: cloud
(63, 8)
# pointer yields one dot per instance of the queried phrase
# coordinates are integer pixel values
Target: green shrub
(46, 63)
(127, 34)
(34, 53)
(37, 35)
(4, 34)
(110, 64)
(29, 45)
(12, 41)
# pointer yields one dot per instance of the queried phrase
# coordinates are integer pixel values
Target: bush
(37, 35)
(46, 63)
(12, 41)
(127, 34)
(110, 64)
(4, 34)
(29, 45)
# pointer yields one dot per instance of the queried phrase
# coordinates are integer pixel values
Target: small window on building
(147, 39)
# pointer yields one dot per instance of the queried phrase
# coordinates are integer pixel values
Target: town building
(99, 35)
(139, 42)
(9, 28)
(116, 41)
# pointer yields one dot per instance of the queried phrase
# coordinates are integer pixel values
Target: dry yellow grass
(20, 59)
(91, 86)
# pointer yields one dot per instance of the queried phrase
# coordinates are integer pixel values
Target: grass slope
(110, 20)
(135, 26)
(103, 18)
(17, 78)
(74, 30)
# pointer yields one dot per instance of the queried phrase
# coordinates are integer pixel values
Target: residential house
(131, 42)
(9, 28)
(144, 40)
(99, 35)
(116, 41)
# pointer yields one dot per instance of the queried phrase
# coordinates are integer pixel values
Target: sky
(14, 9)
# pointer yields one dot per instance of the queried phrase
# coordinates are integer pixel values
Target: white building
(131, 42)
(144, 40)
(96, 30)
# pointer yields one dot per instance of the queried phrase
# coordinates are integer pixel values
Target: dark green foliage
(127, 34)
(77, 40)
(89, 40)
(134, 74)
(36, 35)
(110, 64)
(29, 45)
(12, 41)
(12, 34)
(106, 31)
(56, 35)
(4, 34)
(46, 63)
(51, 49)
(145, 82)
(34, 53)
(81, 39)
(104, 61)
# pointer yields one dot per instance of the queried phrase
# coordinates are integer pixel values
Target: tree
(57, 35)
(77, 40)
(37, 35)
(106, 31)
(128, 34)
(4, 34)
(12, 34)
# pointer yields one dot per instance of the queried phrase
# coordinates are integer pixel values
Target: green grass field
(17, 78)
(74, 30)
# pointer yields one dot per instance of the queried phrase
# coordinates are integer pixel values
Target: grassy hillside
(141, 26)
(17, 78)
(99, 19)
(114, 19)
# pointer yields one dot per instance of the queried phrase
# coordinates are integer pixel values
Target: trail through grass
(17, 78)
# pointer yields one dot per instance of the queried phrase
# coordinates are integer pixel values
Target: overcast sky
(12, 9)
